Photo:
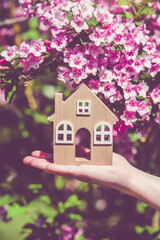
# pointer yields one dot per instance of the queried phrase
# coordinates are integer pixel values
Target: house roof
(83, 90)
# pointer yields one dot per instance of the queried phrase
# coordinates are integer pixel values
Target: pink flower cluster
(111, 55)
(31, 56)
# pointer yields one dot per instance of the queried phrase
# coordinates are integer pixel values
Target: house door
(83, 144)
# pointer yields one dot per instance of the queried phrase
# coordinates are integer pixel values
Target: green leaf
(141, 207)
(33, 23)
(59, 182)
(72, 201)
(74, 216)
(146, 10)
(38, 118)
(139, 229)
(69, 16)
(92, 21)
(45, 198)
(143, 53)
(123, 2)
(61, 207)
(25, 134)
(128, 15)
(35, 186)
(83, 43)
(138, 23)
(15, 210)
(31, 35)
(10, 92)
(6, 199)
(81, 237)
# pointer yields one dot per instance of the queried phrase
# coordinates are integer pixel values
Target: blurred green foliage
(37, 206)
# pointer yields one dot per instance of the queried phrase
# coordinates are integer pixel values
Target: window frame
(83, 108)
(65, 132)
(103, 133)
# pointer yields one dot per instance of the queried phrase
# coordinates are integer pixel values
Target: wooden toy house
(83, 110)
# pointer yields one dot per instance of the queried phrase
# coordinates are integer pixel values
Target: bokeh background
(37, 206)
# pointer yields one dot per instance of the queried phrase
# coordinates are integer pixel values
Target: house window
(103, 134)
(64, 133)
(83, 107)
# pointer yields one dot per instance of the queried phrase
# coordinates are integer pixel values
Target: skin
(121, 175)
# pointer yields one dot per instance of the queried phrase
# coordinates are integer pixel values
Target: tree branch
(11, 21)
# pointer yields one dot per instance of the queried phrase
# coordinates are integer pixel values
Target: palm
(116, 176)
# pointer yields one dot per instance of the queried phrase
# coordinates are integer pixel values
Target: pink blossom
(47, 43)
(98, 36)
(67, 54)
(150, 48)
(91, 67)
(78, 74)
(119, 39)
(31, 61)
(3, 61)
(128, 70)
(77, 60)
(154, 69)
(94, 85)
(94, 50)
(24, 49)
(132, 105)
(7, 32)
(129, 91)
(2, 97)
(142, 89)
(84, 9)
(102, 14)
(105, 75)
(108, 89)
(67, 232)
(63, 74)
(122, 80)
(144, 109)
(157, 119)
(129, 118)
(116, 96)
(52, 15)
(67, 5)
(131, 54)
(59, 40)
(37, 47)
(138, 64)
(79, 24)
(25, 2)
(109, 34)
(114, 56)
(9, 53)
(155, 94)
(25, 65)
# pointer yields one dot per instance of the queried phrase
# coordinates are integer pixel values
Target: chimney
(58, 105)
(58, 101)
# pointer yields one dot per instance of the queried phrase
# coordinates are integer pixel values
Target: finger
(35, 162)
(40, 154)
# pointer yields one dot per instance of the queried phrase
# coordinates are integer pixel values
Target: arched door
(83, 144)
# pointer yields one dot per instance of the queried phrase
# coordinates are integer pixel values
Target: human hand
(117, 176)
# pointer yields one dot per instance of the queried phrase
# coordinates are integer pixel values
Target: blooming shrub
(116, 57)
